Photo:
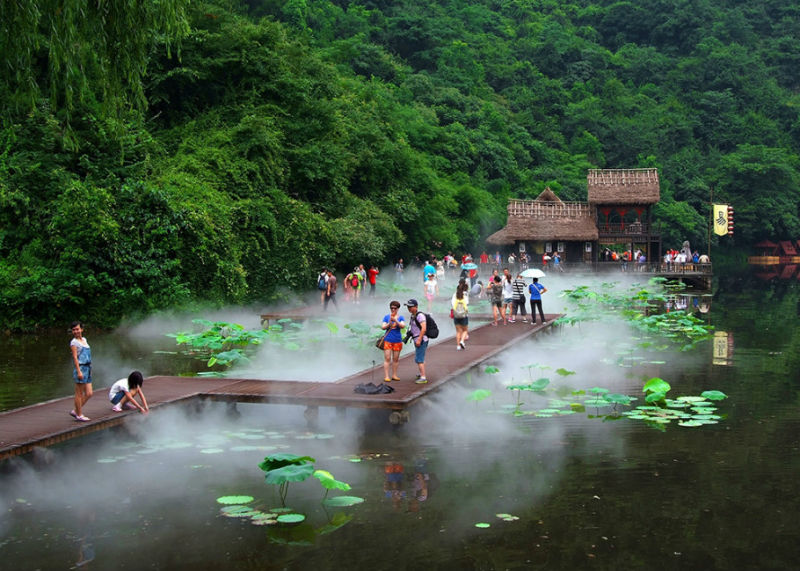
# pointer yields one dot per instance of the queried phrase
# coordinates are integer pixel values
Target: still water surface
(588, 492)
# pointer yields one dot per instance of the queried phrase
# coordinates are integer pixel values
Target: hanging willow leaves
(98, 49)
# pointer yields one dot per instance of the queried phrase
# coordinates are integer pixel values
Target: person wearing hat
(416, 330)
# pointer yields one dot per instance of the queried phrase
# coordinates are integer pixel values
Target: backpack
(432, 331)
(321, 283)
(460, 310)
(354, 282)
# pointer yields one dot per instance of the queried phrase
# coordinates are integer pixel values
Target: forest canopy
(158, 153)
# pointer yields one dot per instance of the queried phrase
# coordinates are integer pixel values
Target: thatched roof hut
(546, 218)
(623, 186)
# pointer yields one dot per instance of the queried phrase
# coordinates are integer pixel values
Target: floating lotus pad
(483, 525)
(714, 395)
(212, 451)
(235, 500)
(343, 501)
(238, 511)
(291, 518)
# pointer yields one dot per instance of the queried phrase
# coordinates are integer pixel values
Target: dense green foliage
(287, 135)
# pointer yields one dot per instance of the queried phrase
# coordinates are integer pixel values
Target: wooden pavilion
(618, 213)
(547, 224)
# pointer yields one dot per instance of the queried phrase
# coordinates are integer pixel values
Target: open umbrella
(532, 273)
(469, 266)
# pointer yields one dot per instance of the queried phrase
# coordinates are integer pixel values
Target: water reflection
(588, 492)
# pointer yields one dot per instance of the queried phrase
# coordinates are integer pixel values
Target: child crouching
(122, 393)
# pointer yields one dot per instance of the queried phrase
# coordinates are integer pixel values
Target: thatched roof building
(623, 186)
(546, 218)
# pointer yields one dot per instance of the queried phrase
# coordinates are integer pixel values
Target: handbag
(381, 342)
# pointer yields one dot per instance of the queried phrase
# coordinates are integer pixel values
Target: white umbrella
(532, 273)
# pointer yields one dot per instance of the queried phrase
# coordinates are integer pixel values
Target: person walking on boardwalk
(393, 324)
(330, 291)
(460, 306)
(431, 290)
(398, 270)
(518, 301)
(372, 274)
(82, 373)
(536, 290)
(508, 294)
(416, 331)
(496, 298)
(322, 285)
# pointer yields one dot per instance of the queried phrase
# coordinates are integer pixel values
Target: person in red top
(372, 275)
(484, 260)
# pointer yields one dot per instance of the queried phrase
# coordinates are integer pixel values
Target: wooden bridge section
(43, 424)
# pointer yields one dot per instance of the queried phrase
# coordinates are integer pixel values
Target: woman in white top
(431, 290)
(82, 370)
(460, 305)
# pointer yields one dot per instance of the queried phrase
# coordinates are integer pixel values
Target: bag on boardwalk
(372, 389)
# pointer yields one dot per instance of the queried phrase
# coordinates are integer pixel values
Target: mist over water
(159, 476)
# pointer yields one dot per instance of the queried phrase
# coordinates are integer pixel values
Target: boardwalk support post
(397, 417)
(311, 414)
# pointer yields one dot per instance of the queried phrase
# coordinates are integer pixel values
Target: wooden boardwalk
(43, 424)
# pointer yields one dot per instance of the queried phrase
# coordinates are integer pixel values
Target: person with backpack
(418, 330)
(518, 301)
(460, 306)
(536, 290)
(322, 285)
(353, 284)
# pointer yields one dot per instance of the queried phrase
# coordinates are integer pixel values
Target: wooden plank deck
(43, 424)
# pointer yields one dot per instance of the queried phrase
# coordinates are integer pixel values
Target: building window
(561, 247)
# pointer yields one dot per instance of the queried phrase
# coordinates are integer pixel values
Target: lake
(466, 484)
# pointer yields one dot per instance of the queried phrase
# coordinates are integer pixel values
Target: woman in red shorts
(394, 324)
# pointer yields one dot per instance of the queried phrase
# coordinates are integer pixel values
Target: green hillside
(155, 154)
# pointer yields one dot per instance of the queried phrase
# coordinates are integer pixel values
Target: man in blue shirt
(536, 290)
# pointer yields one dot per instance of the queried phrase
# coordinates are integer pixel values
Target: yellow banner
(720, 219)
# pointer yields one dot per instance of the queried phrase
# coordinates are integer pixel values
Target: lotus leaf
(564, 372)
(290, 473)
(691, 423)
(655, 396)
(656, 385)
(692, 399)
(540, 384)
(282, 459)
(714, 395)
(291, 518)
(338, 520)
(479, 395)
(483, 525)
(237, 511)
(491, 369)
(617, 398)
(343, 501)
(329, 482)
(235, 499)
(598, 390)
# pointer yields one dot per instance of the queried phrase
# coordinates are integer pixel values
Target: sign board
(720, 220)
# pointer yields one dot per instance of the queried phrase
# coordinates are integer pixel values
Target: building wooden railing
(618, 229)
(542, 209)
(622, 176)
(661, 268)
